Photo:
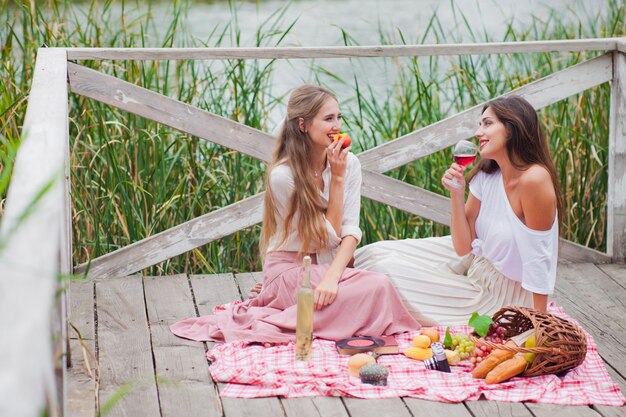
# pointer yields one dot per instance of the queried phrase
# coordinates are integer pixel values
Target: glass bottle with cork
(304, 323)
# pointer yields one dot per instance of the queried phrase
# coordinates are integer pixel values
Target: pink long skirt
(367, 304)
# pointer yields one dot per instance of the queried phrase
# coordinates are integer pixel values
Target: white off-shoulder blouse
(283, 187)
(520, 253)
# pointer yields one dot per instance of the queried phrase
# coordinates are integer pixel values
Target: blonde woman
(312, 208)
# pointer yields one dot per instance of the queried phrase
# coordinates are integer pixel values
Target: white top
(520, 253)
(283, 186)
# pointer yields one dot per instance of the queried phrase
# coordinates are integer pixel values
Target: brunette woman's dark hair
(526, 144)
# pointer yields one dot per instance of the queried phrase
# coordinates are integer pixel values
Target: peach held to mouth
(346, 139)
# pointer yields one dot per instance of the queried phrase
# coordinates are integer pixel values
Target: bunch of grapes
(462, 345)
(480, 353)
(495, 333)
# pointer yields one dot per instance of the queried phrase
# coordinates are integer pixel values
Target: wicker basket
(561, 345)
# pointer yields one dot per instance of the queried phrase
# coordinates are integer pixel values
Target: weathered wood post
(33, 230)
(616, 210)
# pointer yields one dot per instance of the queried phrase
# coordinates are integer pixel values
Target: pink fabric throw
(254, 371)
(367, 303)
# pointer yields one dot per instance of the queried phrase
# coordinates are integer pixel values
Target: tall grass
(132, 178)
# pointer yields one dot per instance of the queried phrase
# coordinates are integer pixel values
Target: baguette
(507, 369)
(496, 357)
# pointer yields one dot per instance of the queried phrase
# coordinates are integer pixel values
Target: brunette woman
(507, 231)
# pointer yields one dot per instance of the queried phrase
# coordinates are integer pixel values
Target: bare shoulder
(538, 197)
(535, 175)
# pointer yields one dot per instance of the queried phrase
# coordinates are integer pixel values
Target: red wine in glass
(464, 154)
(464, 160)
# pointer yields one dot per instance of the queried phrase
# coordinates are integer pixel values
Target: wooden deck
(124, 323)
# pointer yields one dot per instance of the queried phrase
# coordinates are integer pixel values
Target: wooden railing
(36, 227)
(40, 248)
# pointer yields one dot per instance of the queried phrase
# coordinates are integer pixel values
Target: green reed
(133, 178)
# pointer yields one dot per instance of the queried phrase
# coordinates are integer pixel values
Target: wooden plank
(484, 408)
(424, 408)
(501, 408)
(247, 280)
(184, 384)
(554, 410)
(388, 407)
(621, 45)
(574, 252)
(29, 264)
(616, 207)
(314, 407)
(606, 44)
(61, 350)
(170, 112)
(66, 269)
(447, 132)
(124, 349)
(598, 303)
(179, 239)
(82, 376)
(406, 197)
(212, 290)
(617, 272)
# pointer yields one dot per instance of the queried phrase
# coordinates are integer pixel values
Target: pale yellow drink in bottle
(304, 323)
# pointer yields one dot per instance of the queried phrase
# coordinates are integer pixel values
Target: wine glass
(464, 154)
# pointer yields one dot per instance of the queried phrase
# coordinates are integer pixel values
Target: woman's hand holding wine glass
(464, 154)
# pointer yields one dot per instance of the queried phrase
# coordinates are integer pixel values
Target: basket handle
(517, 349)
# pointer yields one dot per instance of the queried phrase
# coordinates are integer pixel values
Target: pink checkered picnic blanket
(255, 371)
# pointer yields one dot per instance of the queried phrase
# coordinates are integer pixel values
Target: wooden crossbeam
(447, 132)
(572, 45)
(406, 197)
(168, 111)
(178, 239)
(573, 252)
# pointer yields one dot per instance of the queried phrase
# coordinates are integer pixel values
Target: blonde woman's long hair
(293, 149)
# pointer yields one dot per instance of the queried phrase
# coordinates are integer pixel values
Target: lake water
(320, 23)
